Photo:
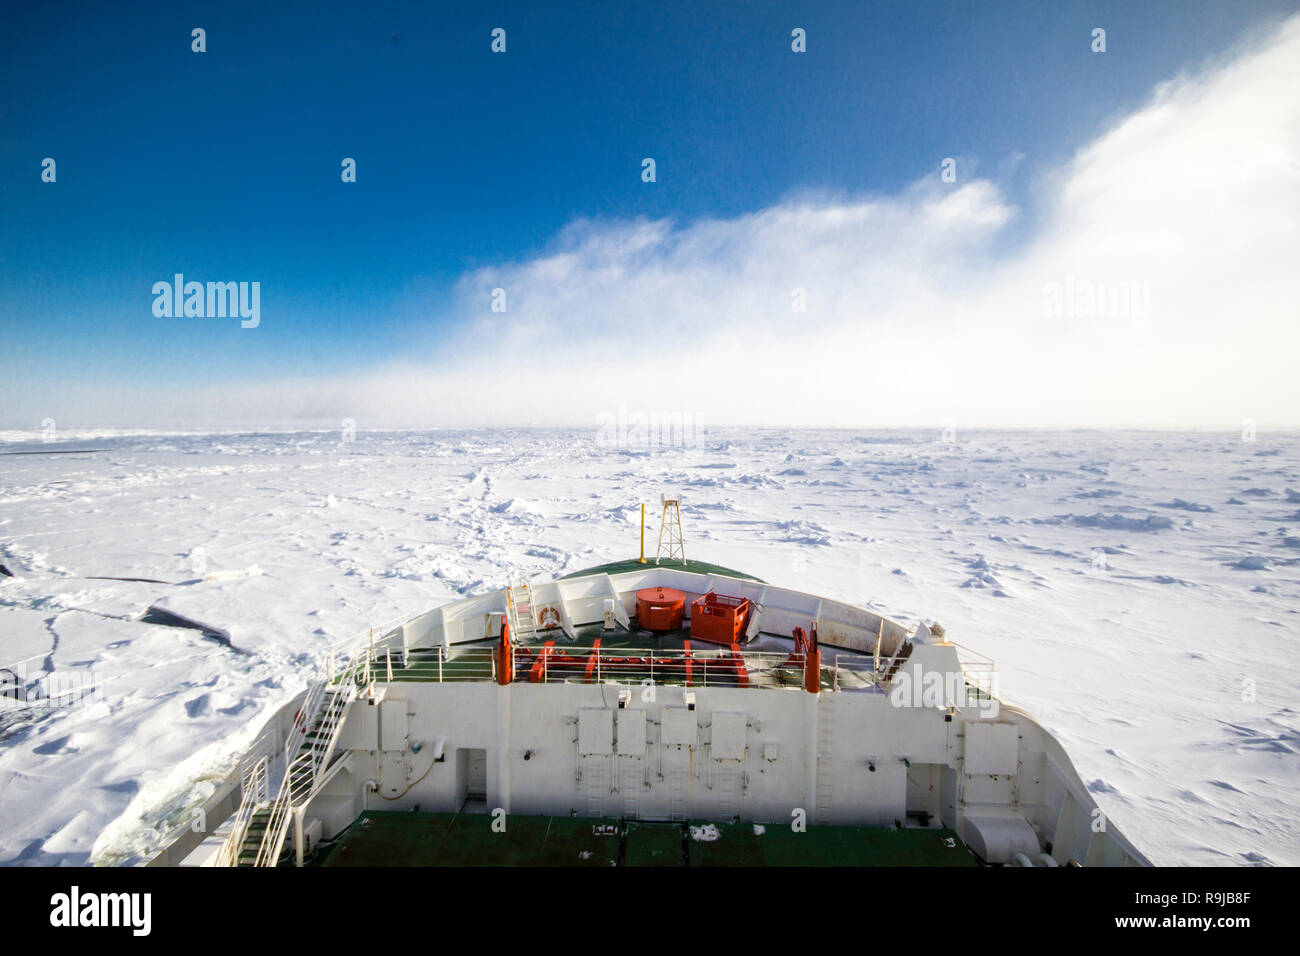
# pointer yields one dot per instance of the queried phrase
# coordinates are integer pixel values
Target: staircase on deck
(265, 838)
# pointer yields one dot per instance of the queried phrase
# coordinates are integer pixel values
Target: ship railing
(255, 789)
(256, 793)
(304, 719)
(711, 666)
(303, 773)
(431, 665)
(855, 673)
(295, 788)
(360, 647)
(322, 713)
(979, 672)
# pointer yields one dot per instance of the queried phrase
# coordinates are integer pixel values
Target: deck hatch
(680, 727)
(991, 748)
(596, 731)
(631, 733)
(729, 736)
(392, 725)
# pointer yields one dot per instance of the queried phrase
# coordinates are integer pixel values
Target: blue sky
(225, 165)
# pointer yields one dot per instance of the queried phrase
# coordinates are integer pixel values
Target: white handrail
(277, 826)
(979, 670)
(255, 793)
(324, 718)
(316, 716)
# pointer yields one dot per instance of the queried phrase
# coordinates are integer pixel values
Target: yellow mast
(642, 559)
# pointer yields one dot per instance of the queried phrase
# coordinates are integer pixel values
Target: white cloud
(1182, 218)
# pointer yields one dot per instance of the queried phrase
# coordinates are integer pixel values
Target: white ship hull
(895, 730)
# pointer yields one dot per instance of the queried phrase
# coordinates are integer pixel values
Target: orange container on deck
(660, 609)
(719, 618)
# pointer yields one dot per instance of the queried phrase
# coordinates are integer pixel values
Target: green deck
(633, 564)
(394, 838)
(766, 659)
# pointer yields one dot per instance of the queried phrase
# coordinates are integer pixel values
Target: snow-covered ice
(1138, 591)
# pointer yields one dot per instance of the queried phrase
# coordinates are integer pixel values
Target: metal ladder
(729, 781)
(630, 781)
(595, 778)
(825, 768)
(521, 613)
(677, 779)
